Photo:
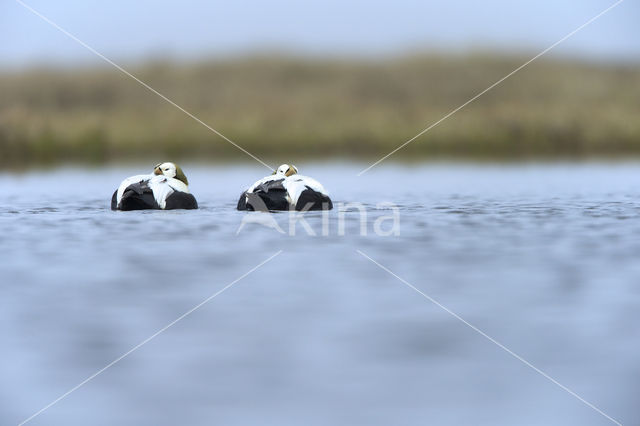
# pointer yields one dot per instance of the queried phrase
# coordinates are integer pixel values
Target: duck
(285, 189)
(166, 188)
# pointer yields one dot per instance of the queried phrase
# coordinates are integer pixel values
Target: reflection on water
(542, 258)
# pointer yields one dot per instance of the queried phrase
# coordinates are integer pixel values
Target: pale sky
(137, 30)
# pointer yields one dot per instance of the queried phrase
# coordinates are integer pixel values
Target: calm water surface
(543, 258)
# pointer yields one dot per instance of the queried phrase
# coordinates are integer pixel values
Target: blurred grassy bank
(298, 108)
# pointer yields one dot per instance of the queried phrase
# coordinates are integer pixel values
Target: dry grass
(301, 107)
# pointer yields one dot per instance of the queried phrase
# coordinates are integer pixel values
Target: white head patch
(166, 169)
(286, 170)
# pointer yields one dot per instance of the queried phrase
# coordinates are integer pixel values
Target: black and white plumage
(285, 189)
(167, 188)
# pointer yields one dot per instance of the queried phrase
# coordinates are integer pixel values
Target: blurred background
(317, 80)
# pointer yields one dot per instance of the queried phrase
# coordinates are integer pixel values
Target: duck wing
(266, 194)
(170, 193)
(129, 181)
(138, 196)
(307, 193)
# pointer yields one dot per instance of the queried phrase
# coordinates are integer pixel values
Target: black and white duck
(285, 189)
(167, 188)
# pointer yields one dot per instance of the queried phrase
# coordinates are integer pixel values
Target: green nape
(181, 176)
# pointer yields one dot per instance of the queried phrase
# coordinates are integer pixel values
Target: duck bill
(157, 171)
(291, 171)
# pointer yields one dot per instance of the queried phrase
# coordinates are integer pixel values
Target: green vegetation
(296, 108)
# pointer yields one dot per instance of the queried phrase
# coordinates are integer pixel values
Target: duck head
(286, 170)
(170, 170)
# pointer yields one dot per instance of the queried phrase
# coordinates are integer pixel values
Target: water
(542, 258)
